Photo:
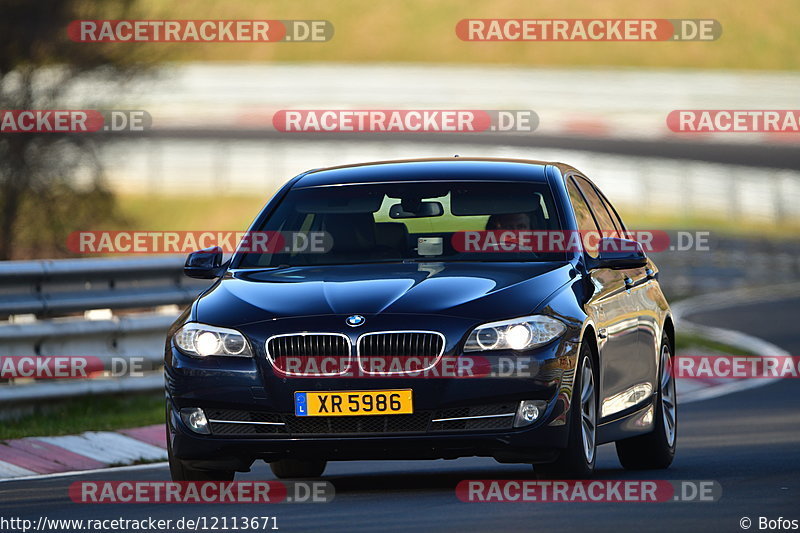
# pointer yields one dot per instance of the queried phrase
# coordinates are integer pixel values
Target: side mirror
(204, 264)
(617, 253)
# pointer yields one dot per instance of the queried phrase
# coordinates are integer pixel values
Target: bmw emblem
(355, 320)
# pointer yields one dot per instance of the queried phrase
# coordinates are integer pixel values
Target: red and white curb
(88, 451)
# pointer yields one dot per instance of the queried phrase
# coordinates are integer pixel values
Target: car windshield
(406, 221)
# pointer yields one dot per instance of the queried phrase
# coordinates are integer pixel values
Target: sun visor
(495, 201)
(339, 201)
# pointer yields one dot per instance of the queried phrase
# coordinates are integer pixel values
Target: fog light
(195, 418)
(529, 412)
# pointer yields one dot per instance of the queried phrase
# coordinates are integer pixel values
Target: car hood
(471, 290)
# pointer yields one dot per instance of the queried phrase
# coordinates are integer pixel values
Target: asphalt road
(749, 442)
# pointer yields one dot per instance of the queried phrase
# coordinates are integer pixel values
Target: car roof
(450, 168)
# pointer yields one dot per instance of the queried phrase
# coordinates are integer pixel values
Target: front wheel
(656, 450)
(578, 459)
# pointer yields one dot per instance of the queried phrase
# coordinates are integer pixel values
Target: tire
(297, 468)
(656, 450)
(579, 458)
(180, 471)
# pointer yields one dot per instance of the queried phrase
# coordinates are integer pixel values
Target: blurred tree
(52, 184)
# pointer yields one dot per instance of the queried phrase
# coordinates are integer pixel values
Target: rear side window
(582, 213)
(583, 216)
(611, 211)
(598, 207)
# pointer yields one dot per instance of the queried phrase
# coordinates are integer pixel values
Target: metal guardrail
(58, 287)
(45, 303)
(139, 335)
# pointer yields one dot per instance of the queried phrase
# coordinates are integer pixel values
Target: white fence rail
(686, 181)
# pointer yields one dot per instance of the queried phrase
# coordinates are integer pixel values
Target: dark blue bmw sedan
(425, 309)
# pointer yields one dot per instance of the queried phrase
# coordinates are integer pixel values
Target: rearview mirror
(617, 253)
(420, 210)
(204, 264)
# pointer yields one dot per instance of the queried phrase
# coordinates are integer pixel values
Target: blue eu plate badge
(300, 404)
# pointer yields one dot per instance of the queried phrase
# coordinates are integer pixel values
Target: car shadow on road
(437, 479)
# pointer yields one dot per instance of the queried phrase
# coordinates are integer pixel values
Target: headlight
(515, 334)
(202, 340)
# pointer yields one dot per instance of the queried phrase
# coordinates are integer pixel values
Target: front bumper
(246, 389)
(535, 444)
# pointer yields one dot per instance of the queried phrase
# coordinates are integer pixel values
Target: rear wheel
(656, 450)
(294, 468)
(180, 471)
(578, 459)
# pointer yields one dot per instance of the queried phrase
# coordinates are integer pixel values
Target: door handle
(650, 274)
(628, 282)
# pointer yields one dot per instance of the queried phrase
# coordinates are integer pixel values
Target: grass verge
(687, 342)
(90, 413)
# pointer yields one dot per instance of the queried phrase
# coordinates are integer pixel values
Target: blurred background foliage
(756, 35)
(51, 185)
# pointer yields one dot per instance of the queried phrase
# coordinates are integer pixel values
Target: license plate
(352, 403)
